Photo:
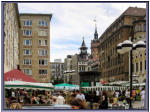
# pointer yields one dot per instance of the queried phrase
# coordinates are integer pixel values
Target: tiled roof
(134, 11)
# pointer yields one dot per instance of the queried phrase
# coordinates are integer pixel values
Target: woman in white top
(143, 97)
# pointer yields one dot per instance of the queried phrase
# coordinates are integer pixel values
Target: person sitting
(115, 100)
(77, 103)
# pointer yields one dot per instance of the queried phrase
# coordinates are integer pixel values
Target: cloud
(72, 21)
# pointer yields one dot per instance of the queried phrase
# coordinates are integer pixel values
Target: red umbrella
(17, 75)
(103, 82)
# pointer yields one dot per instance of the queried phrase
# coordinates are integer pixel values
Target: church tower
(83, 48)
(94, 50)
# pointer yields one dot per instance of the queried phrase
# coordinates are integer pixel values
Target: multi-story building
(35, 45)
(57, 71)
(11, 36)
(114, 66)
(94, 60)
(68, 63)
(68, 70)
(139, 57)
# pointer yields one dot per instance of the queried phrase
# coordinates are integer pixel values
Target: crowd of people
(77, 99)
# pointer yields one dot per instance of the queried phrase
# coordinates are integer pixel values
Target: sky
(72, 21)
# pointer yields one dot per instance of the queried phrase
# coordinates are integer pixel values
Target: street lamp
(128, 46)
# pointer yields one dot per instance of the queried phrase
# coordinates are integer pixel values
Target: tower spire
(83, 48)
(95, 34)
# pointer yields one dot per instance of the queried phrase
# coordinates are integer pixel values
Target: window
(27, 23)
(45, 42)
(40, 42)
(27, 52)
(27, 42)
(42, 62)
(27, 61)
(28, 71)
(144, 27)
(136, 67)
(27, 32)
(43, 23)
(133, 19)
(42, 72)
(141, 66)
(43, 52)
(43, 33)
(140, 28)
(145, 64)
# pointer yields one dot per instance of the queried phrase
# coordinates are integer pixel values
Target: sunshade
(28, 85)
(17, 75)
(66, 86)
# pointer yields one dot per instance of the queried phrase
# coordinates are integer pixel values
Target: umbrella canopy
(66, 86)
(17, 75)
(28, 85)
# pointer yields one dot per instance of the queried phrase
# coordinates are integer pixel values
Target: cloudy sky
(73, 21)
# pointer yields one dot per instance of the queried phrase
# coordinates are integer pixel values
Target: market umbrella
(28, 85)
(66, 86)
(17, 75)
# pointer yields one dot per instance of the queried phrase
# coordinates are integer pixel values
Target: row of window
(29, 42)
(28, 32)
(29, 62)
(139, 66)
(41, 72)
(112, 72)
(41, 23)
(41, 52)
(112, 40)
(57, 66)
(140, 27)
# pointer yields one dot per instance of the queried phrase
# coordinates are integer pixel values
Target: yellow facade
(37, 37)
(139, 57)
(113, 66)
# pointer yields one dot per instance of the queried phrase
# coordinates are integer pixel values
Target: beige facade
(114, 66)
(35, 45)
(11, 36)
(139, 57)
(57, 71)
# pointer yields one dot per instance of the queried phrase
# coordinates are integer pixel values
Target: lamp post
(128, 46)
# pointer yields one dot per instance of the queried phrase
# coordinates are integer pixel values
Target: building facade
(114, 66)
(57, 71)
(35, 45)
(11, 36)
(74, 64)
(68, 69)
(139, 58)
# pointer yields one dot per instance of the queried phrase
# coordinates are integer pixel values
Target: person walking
(143, 98)
(104, 103)
(60, 99)
(96, 101)
(127, 94)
